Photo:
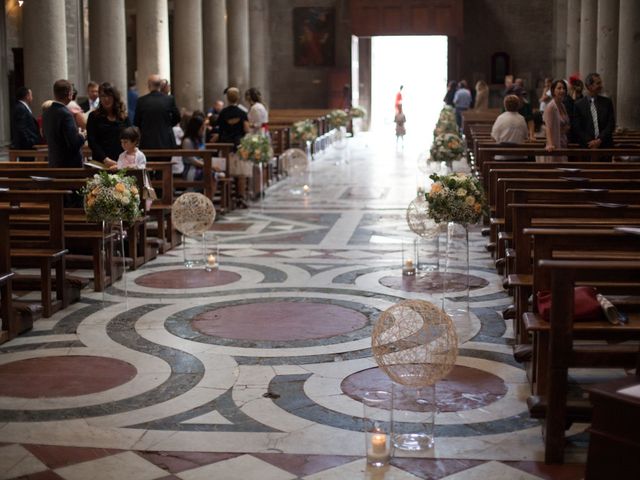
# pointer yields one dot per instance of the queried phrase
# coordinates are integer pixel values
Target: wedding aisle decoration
(447, 147)
(338, 118)
(446, 122)
(192, 214)
(111, 197)
(304, 131)
(456, 197)
(256, 148)
(357, 112)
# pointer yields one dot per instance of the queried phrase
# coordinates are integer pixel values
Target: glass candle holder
(378, 411)
(414, 410)
(211, 252)
(193, 248)
(409, 257)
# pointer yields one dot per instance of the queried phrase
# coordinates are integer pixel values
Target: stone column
(152, 38)
(259, 46)
(573, 37)
(77, 58)
(628, 101)
(45, 47)
(588, 36)
(5, 101)
(559, 65)
(238, 43)
(216, 79)
(607, 50)
(187, 54)
(108, 43)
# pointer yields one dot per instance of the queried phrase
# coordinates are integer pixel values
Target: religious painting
(314, 37)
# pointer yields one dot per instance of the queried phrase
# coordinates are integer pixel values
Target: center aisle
(256, 371)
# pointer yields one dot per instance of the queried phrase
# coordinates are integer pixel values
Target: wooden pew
(565, 274)
(9, 327)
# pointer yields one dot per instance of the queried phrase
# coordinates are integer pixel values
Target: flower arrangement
(304, 131)
(255, 147)
(338, 118)
(357, 112)
(446, 147)
(447, 114)
(455, 198)
(110, 197)
(445, 127)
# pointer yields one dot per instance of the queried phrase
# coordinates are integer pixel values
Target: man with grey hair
(595, 118)
(156, 114)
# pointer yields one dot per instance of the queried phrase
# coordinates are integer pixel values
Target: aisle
(255, 372)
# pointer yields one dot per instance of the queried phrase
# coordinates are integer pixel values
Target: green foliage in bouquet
(110, 197)
(338, 118)
(446, 147)
(357, 112)
(255, 147)
(304, 131)
(455, 198)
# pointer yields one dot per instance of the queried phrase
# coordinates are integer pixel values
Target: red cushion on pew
(585, 304)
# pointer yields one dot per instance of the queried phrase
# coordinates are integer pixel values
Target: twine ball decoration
(192, 213)
(415, 343)
(294, 161)
(418, 218)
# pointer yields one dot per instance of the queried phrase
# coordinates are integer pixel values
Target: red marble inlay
(54, 456)
(50, 377)
(46, 475)
(433, 282)
(464, 388)
(433, 468)
(176, 462)
(187, 278)
(279, 321)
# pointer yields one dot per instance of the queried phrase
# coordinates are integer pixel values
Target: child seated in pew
(133, 158)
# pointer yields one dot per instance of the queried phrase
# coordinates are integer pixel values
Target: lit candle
(211, 260)
(379, 444)
(408, 264)
(306, 189)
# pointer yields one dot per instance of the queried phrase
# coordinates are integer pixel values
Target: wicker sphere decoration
(418, 218)
(192, 213)
(415, 343)
(294, 161)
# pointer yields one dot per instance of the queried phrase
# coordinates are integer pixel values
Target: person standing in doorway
(400, 120)
(399, 98)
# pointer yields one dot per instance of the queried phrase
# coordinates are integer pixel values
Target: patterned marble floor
(255, 371)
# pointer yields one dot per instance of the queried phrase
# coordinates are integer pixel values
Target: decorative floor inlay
(279, 321)
(463, 388)
(187, 278)
(434, 282)
(47, 377)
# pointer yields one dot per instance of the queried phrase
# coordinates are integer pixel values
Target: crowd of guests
(568, 112)
(113, 129)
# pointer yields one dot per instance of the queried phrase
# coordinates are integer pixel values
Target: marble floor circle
(187, 278)
(434, 282)
(278, 321)
(56, 376)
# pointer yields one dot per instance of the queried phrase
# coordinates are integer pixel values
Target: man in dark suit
(60, 129)
(595, 119)
(92, 101)
(156, 114)
(24, 127)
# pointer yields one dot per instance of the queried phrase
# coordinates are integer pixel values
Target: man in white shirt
(93, 100)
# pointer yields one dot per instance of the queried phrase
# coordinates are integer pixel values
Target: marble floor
(256, 371)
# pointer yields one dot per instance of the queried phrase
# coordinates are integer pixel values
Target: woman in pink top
(556, 122)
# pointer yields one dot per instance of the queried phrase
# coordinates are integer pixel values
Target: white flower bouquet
(304, 131)
(357, 112)
(110, 197)
(455, 198)
(255, 147)
(446, 147)
(338, 118)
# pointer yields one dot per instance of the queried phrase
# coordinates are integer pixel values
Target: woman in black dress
(105, 124)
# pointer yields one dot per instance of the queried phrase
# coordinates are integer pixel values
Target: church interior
(247, 321)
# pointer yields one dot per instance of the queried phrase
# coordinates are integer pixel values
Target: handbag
(586, 306)
(148, 192)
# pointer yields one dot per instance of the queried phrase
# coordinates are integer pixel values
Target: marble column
(108, 43)
(238, 43)
(187, 54)
(45, 47)
(573, 37)
(628, 99)
(588, 36)
(259, 46)
(559, 65)
(216, 78)
(77, 47)
(5, 101)
(607, 49)
(152, 38)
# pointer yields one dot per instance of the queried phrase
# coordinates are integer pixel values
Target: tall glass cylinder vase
(455, 295)
(193, 250)
(113, 255)
(308, 150)
(414, 411)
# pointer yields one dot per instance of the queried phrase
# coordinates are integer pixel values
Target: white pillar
(187, 54)
(216, 78)
(77, 58)
(573, 37)
(259, 46)
(588, 36)
(559, 65)
(45, 47)
(108, 43)
(238, 44)
(152, 38)
(628, 104)
(607, 50)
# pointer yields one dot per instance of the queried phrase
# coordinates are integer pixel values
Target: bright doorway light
(419, 63)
